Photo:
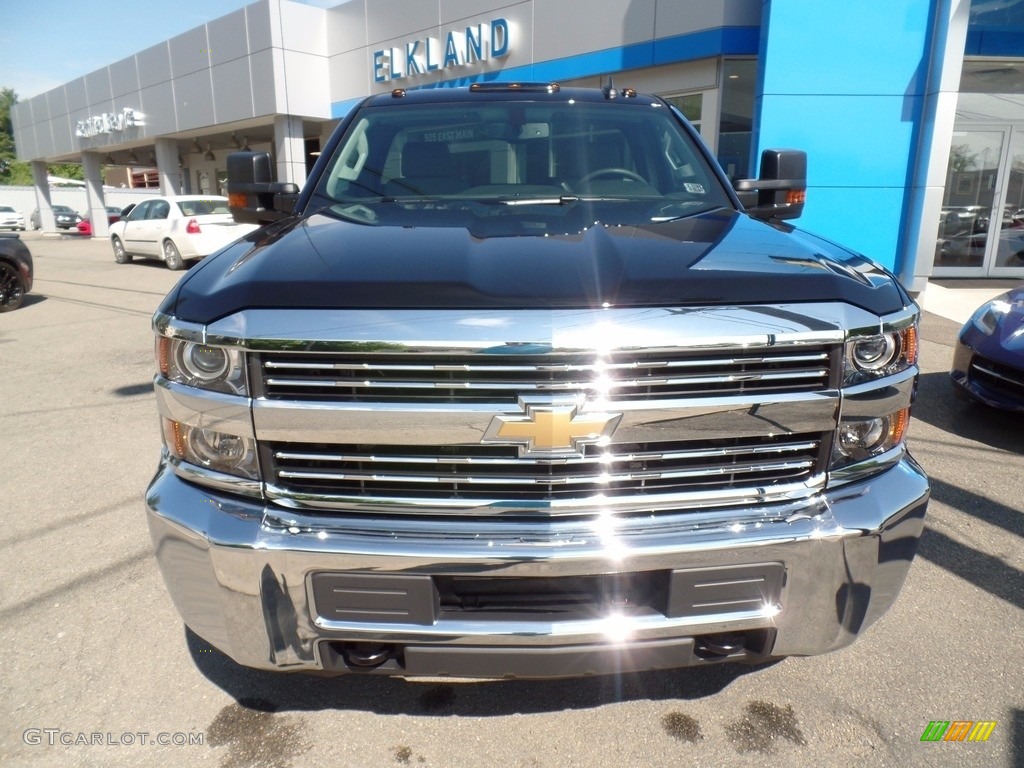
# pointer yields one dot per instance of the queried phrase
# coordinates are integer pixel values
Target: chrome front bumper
(805, 578)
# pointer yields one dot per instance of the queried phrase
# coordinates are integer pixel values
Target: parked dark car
(15, 272)
(988, 363)
(64, 216)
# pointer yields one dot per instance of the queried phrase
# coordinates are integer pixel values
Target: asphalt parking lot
(97, 665)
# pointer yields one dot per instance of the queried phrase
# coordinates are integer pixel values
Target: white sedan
(10, 218)
(176, 229)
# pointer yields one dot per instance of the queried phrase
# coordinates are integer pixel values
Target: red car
(85, 225)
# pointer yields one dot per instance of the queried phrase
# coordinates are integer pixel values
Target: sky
(46, 43)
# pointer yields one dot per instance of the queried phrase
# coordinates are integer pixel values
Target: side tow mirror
(781, 189)
(253, 195)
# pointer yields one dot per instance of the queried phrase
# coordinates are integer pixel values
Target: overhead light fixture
(109, 159)
(133, 158)
(181, 161)
(196, 146)
(209, 152)
(152, 158)
(245, 144)
(235, 141)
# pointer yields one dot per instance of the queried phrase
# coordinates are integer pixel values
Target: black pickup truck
(518, 386)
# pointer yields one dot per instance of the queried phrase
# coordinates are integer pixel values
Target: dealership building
(911, 111)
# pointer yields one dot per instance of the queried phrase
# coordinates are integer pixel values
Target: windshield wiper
(686, 214)
(561, 200)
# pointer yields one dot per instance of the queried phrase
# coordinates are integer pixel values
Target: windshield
(458, 164)
(204, 206)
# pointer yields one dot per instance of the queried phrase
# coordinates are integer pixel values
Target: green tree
(13, 172)
(961, 159)
(67, 171)
(8, 98)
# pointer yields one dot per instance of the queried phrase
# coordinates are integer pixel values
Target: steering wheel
(622, 172)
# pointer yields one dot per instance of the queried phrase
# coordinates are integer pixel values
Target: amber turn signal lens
(163, 353)
(910, 345)
(796, 196)
(236, 199)
(173, 438)
(898, 423)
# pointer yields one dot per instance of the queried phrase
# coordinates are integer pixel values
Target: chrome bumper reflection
(241, 573)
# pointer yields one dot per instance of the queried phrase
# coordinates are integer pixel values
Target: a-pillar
(167, 167)
(290, 145)
(94, 193)
(40, 177)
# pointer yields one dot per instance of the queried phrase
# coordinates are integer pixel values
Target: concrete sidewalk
(957, 299)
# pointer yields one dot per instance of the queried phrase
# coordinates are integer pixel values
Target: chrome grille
(503, 375)
(466, 472)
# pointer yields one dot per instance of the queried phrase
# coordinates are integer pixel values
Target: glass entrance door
(981, 231)
(1008, 247)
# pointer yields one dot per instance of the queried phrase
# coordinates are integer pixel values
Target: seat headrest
(421, 158)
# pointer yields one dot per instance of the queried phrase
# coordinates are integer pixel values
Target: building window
(737, 117)
(691, 105)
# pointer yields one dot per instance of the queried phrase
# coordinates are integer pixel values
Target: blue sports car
(988, 364)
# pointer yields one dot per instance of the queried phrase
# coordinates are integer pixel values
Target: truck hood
(715, 258)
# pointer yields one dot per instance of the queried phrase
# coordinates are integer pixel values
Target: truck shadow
(938, 406)
(277, 692)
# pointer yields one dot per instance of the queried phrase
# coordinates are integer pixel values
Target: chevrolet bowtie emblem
(551, 428)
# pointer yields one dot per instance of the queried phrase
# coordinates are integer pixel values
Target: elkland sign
(460, 48)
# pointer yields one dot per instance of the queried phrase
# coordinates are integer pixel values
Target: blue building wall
(846, 83)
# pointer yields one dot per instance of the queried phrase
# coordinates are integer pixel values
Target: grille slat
(485, 472)
(525, 461)
(542, 368)
(609, 478)
(576, 386)
(645, 375)
(1000, 377)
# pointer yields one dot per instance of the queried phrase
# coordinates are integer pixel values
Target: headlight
(210, 449)
(202, 361)
(874, 356)
(221, 369)
(988, 316)
(875, 352)
(864, 438)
